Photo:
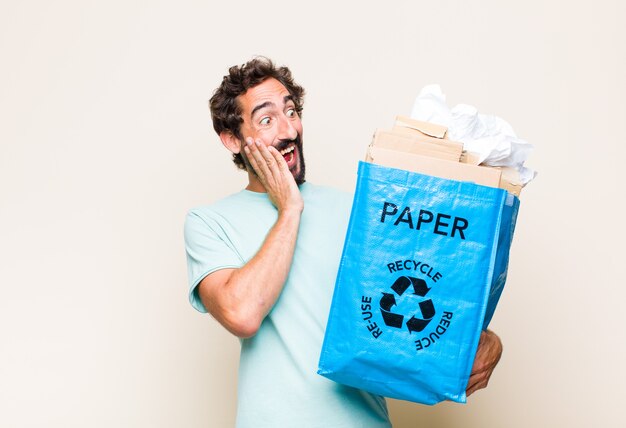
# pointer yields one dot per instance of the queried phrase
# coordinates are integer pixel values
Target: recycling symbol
(426, 310)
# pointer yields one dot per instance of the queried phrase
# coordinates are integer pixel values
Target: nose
(287, 130)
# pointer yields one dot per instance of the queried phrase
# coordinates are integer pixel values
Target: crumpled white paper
(491, 137)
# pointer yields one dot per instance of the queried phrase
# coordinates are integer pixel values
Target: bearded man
(263, 261)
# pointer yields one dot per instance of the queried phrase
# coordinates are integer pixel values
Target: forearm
(253, 289)
(240, 299)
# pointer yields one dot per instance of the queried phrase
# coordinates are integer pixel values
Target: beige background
(105, 142)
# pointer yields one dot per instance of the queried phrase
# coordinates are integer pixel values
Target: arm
(241, 298)
(487, 357)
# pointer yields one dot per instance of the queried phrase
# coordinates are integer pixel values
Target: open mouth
(289, 154)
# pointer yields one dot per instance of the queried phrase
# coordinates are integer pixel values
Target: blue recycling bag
(423, 266)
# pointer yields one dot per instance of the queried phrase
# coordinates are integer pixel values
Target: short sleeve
(207, 250)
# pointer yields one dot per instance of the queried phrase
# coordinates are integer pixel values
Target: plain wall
(106, 142)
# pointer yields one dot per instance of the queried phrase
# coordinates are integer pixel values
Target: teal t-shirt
(278, 383)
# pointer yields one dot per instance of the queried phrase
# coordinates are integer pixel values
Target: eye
(265, 121)
(291, 112)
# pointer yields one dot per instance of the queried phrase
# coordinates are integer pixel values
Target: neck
(254, 184)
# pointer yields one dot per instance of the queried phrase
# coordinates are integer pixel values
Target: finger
(478, 381)
(476, 386)
(279, 171)
(248, 149)
(471, 388)
(268, 156)
(261, 167)
(280, 160)
(471, 383)
(480, 365)
(274, 175)
(264, 156)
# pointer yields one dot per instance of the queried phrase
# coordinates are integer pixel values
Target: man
(263, 261)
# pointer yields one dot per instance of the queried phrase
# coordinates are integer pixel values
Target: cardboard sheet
(437, 167)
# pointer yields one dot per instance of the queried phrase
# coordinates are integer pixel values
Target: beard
(299, 169)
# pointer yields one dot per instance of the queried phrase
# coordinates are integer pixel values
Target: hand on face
(274, 174)
(270, 116)
(487, 357)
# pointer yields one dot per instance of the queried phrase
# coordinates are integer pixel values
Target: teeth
(287, 150)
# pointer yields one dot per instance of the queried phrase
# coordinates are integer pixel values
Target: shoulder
(244, 211)
(203, 214)
(228, 206)
(210, 215)
(199, 221)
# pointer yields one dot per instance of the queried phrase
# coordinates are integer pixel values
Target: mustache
(283, 144)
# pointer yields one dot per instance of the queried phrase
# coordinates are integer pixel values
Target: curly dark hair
(225, 108)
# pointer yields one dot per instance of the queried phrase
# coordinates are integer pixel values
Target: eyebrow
(260, 106)
(269, 103)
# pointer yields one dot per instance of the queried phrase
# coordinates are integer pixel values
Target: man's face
(269, 114)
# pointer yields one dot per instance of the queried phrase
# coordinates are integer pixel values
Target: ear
(231, 142)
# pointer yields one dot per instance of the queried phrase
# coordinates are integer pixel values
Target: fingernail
(248, 141)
